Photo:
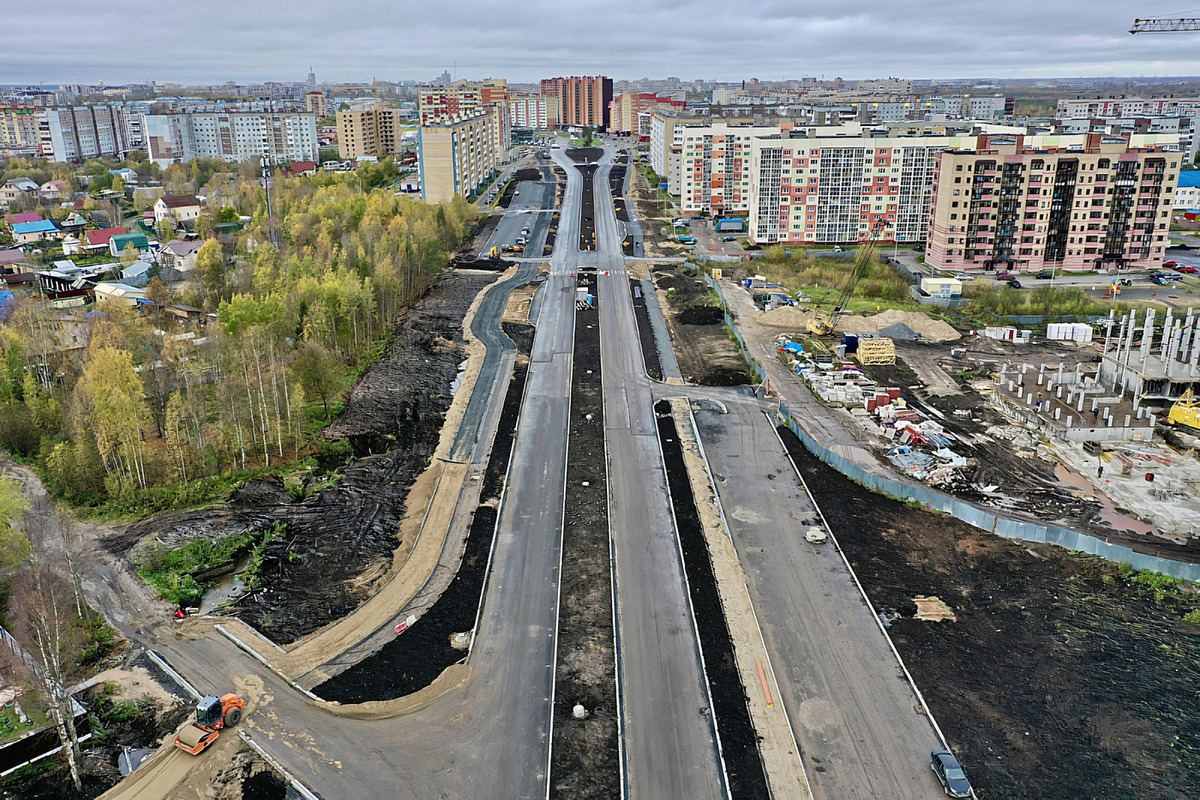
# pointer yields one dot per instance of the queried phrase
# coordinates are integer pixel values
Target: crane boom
(1165, 25)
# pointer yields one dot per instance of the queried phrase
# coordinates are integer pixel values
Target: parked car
(1044, 276)
(1006, 276)
(920, 248)
(1160, 282)
(1123, 282)
(728, 238)
(1170, 263)
(950, 773)
(1014, 283)
(964, 276)
(837, 248)
(1188, 270)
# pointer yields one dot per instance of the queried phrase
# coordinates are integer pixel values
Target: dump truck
(212, 714)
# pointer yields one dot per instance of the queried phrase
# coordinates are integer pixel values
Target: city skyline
(767, 39)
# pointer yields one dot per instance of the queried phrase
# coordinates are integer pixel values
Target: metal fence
(972, 515)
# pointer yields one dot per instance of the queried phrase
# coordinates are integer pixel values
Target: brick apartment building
(458, 155)
(629, 113)
(1104, 204)
(436, 103)
(581, 100)
(375, 132)
(533, 111)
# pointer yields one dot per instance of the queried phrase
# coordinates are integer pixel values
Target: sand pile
(785, 317)
(931, 329)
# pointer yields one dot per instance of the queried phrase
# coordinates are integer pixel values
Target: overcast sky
(212, 41)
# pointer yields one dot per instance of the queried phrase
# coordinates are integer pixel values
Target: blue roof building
(24, 232)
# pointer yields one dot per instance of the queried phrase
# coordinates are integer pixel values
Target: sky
(213, 41)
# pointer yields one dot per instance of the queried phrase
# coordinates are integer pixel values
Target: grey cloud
(211, 41)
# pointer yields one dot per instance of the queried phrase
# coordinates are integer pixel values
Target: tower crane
(1165, 25)
(862, 266)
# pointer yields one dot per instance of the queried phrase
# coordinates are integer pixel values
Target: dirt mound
(932, 329)
(785, 317)
(899, 331)
(701, 315)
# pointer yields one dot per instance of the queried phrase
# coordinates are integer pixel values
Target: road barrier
(972, 515)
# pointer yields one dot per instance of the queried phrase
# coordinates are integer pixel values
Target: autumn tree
(210, 271)
(114, 402)
(318, 372)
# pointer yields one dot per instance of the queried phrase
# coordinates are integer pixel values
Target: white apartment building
(458, 155)
(77, 133)
(1182, 127)
(666, 142)
(231, 136)
(1129, 107)
(533, 112)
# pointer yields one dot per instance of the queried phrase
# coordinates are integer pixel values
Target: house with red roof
(98, 240)
(301, 168)
(27, 216)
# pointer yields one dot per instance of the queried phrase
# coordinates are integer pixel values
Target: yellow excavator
(862, 265)
(1186, 411)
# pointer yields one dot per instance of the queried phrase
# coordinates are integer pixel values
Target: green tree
(114, 402)
(129, 254)
(118, 185)
(14, 544)
(210, 269)
(318, 371)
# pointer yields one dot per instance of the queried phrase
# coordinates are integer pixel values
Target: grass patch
(824, 280)
(170, 570)
(157, 499)
(1048, 301)
(10, 724)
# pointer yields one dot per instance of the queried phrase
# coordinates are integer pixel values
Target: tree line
(115, 404)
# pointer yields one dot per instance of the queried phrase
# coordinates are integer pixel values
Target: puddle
(1119, 521)
(454, 384)
(229, 588)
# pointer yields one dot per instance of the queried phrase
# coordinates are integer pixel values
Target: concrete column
(1040, 377)
(1147, 336)
(1070, 421)
(1057, 412)
(1020, 391)
(1058, 393)
(1126, 420)
(1079, 405)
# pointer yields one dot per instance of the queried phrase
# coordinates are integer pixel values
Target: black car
(728, 238)
(1044, 276)
(947, 768)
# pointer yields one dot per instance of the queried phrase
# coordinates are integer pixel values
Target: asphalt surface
(852, 710)
(531, 208)
(669, 743)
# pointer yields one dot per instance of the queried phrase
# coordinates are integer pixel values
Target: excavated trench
(415, 658)
(585, 761)
(739, 741)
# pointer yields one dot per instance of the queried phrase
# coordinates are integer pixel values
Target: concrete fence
(972, 515)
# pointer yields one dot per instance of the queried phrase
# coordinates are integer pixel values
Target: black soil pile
(581, 155)
(706, 353)
(413, 660)
(392, 420)
(739, 742)
(701, 315)
(650, 354)
(587, 208)
(1063, 676)
(551, 235)
(585, 762)
(521, 335)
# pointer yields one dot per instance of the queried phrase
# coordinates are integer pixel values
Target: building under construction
(1152, 357)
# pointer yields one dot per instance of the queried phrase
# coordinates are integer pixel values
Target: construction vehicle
(1186, 411)
(494, 252)
(212, 714)
(862, 265)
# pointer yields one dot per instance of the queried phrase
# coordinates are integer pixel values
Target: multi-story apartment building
(317, 104)
(436, 103)
(816, 187)
(377, 132)
(533, 111)
(581, 100)
(1093, 203)
(666, 144)
(77, 133)
(1182, 127)
(19, 126)
(1126, 107)
(629, 113)
(457, 156)
(231, 136)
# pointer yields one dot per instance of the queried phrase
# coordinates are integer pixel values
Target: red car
(1188, 269)
(1170, 263)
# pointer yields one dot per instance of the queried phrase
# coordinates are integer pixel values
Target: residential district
(589, 438)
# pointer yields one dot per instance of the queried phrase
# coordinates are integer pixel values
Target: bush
(168, 570)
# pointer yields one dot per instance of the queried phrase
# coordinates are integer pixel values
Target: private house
(179, 255)
(54, 190)
(26, 216)
(16, 188)
(10, 257)
(107, 292)
(118, 242)
(137, 273)
(98, 240)
(30, 232)
(72, 246)
(126, 174)
(177, 208)
(301, 168)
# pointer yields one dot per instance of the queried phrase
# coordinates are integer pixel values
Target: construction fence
(972, 515)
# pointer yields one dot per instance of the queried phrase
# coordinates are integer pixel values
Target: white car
(962, 276)
(816, 536)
